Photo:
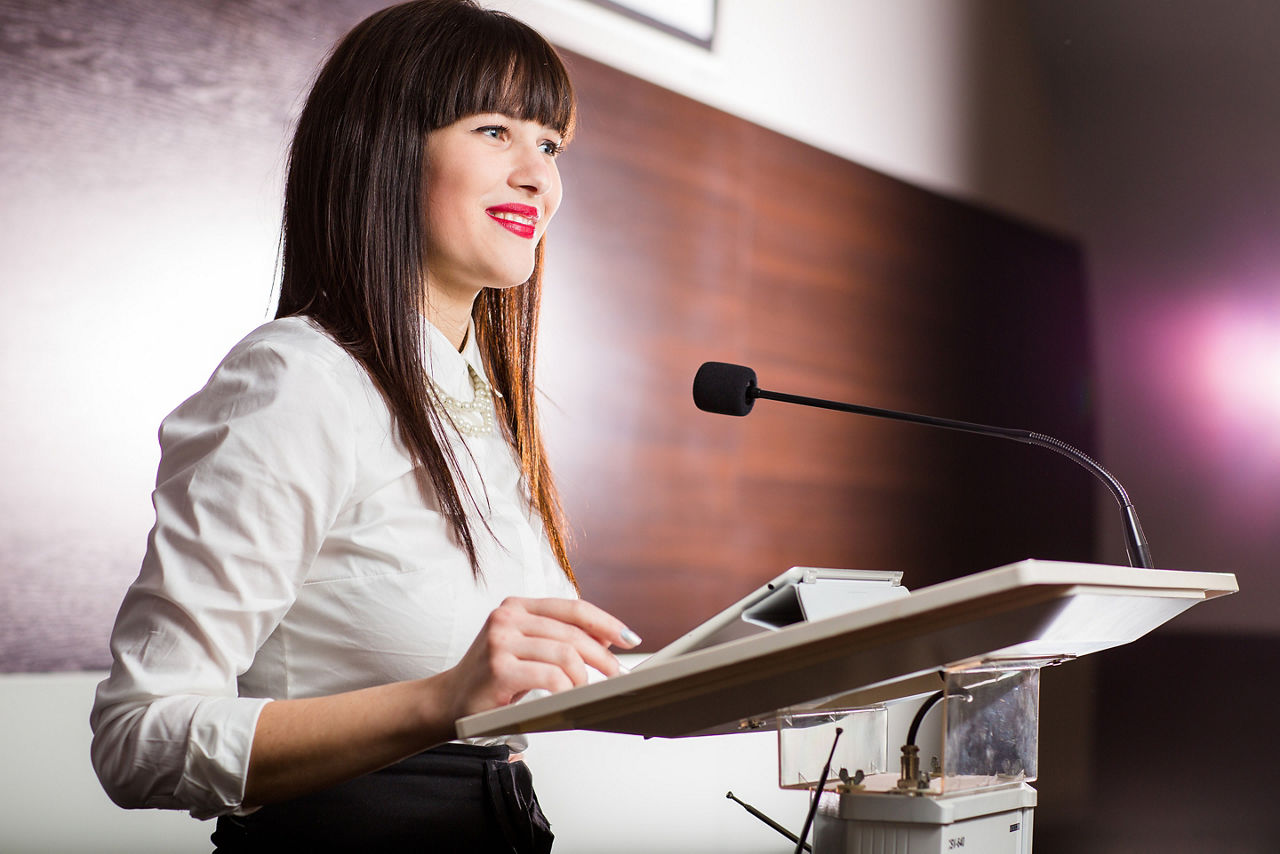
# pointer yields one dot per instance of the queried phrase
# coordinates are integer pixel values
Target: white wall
(50, 800)
(946, 95)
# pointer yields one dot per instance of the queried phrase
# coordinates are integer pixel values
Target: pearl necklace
(470, 417)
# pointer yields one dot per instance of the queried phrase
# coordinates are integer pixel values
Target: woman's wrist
(438, 706)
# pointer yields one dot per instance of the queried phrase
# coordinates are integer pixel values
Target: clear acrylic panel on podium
(991, 726)
(805, 741)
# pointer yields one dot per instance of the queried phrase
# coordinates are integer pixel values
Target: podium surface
(1041, 611)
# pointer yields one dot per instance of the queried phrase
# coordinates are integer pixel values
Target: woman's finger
(563, 656)
(513, 622)
(512, 678)
(591, 619)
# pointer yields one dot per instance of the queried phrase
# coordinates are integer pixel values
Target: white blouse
(293, 555)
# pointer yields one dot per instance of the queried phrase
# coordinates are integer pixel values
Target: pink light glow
(1230, 401)
(1238, 355)
(1203, 406)
(1209, 402)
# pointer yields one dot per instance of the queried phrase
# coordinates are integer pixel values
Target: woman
(357, 537)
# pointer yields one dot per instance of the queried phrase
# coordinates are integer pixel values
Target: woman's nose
(533, 172)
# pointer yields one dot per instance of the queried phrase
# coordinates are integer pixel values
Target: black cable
(919, 718)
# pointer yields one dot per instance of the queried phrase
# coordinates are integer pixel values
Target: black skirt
(455, 797)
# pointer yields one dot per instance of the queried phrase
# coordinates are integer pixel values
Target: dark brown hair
(353, 221)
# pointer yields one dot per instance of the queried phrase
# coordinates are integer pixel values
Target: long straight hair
(353, 241)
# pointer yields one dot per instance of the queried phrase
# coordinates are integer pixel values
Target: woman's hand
(527, 644)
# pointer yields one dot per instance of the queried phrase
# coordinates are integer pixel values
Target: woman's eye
(551, 147)
(493, 131)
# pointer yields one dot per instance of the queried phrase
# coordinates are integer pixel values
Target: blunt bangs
(496, 64)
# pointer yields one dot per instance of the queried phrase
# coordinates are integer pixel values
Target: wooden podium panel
(1041, 610)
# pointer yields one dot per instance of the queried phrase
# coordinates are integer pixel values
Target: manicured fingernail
(629, 637)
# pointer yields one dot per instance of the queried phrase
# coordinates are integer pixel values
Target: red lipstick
(518, 219)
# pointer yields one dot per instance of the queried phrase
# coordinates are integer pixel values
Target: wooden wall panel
(688, 235)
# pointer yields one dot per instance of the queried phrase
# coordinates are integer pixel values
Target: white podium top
(1044, 610)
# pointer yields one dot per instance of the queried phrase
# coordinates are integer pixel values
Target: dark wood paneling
(689, 235)
(1171, 710)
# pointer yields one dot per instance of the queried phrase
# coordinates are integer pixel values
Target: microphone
(728, 389)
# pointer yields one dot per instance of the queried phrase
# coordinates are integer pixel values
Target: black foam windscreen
(724, 389)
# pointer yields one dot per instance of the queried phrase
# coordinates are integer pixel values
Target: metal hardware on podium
(962, 778)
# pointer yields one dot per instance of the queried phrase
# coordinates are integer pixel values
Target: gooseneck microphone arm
(1135, 540)
(731, 390)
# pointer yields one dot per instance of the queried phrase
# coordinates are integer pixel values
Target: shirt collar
(447, 366)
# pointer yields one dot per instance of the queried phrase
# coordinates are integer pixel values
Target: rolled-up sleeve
(254, 469)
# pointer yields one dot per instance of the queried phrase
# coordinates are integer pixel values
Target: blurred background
(1058, 216)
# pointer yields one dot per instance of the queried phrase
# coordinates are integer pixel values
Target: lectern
(936, 694)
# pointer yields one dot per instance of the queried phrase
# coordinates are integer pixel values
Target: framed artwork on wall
(691, 20)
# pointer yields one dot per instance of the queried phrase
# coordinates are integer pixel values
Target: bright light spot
(1240, 369)
(1233, 404)
(1213, 364)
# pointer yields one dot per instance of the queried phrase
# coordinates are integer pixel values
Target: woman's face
(492, 187)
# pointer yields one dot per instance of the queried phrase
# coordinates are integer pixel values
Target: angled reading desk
(978, 641)
(1029, 610)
